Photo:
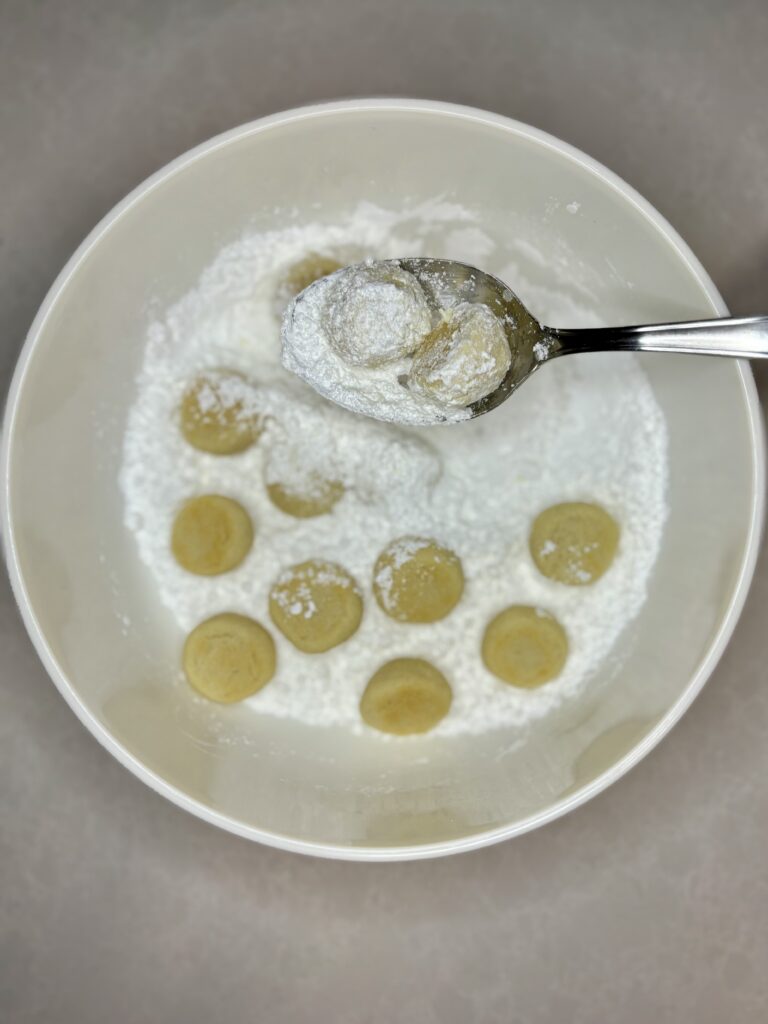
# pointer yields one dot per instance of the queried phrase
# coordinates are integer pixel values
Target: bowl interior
(115, 650)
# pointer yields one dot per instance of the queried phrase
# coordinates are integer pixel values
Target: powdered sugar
(586, 428)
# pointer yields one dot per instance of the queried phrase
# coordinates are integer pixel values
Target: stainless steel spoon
(532, 344)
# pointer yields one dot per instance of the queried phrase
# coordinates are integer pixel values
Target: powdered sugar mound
(586, 428)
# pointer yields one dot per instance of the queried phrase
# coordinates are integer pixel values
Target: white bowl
(90, 607)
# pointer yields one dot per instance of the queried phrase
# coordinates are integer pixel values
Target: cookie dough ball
(315, 496)
(316, 605)
(228, 658)
(376, 313)
(301, 275)
(211, 535)
(406, 696)
(464, 359)
(574, 543)
(525, 646)
(298, 489)
(417, 580)
(218, 413)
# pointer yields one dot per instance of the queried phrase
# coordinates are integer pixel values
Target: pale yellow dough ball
(316, 605)
(525, 646)
(317, 498)
(574, 542)
(218, 415)
(376, 314)
(406, 696)
(294, 484)
(301, 275)
(229, 657)
(415, 579)
(463, 359)
(211, 535)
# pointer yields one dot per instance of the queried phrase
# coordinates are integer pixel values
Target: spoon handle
(744, 337)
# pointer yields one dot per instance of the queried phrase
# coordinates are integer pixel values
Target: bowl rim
(444, 847)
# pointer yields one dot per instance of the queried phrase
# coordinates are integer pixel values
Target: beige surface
(650, 902)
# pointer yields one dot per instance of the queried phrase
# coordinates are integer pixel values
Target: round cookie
(316, 605)
(406, 696)
(229, 657)
(294, 484)
(315, 496)
(211, 535)
(417, 580)
(574, 542)
(218, 415)
(525, 646)
(463, 359)
(376, 314)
